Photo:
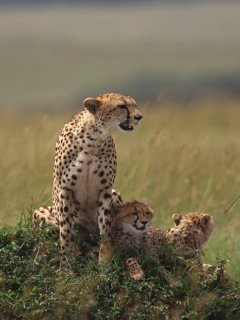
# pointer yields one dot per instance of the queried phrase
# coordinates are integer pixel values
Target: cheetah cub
(131, 231)
(85, 169)
(192, 231)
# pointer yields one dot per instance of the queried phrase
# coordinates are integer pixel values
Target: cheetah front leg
(104, 224)
(66, 220)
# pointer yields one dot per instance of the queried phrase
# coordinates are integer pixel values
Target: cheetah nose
(138, 117)
(144, 222)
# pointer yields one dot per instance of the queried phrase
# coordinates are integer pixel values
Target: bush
(33, 287)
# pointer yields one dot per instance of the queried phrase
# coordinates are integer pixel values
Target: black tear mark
(137, 218)
(124, 107)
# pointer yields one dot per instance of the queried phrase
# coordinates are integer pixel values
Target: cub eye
(148, 213)
(134, 213)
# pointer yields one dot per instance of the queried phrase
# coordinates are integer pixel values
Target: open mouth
(140, 229)
(126, 127)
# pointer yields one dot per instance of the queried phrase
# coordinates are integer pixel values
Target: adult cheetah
(85, 169)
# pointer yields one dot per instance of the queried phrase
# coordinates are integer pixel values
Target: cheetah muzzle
(124, 126)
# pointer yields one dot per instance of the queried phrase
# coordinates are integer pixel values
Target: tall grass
(178, 159)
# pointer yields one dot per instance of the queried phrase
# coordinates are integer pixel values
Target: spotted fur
(191, 231)
(85, 168)
(131, 231)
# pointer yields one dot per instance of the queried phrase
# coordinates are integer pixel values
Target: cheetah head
(114, 112)
(200, 224)
(132, 217)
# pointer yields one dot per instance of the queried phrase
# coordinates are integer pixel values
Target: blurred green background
(179, 60)
(56, 55)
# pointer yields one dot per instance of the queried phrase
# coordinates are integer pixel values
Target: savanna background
(179, 60)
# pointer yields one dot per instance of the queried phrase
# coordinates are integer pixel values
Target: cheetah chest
(93, 178)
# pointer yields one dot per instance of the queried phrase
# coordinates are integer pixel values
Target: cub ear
(176, 219)
(92, 104)
(150, 208)
(149, 205)
(205, 220)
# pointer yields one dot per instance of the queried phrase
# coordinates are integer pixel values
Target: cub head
(132, 217)
(201, 223)
(113, 111)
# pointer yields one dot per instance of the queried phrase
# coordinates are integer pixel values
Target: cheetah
(131, 231)
(85, 168)
(191, 231)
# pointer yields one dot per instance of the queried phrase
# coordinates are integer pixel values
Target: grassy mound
(32, 287)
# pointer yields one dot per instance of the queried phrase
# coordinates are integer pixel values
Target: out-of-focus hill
(7, 2)
(56, 55)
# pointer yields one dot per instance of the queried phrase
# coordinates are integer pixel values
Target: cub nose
(144, 222)
(138, 117)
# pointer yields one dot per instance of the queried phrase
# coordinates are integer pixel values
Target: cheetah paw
(137, 275)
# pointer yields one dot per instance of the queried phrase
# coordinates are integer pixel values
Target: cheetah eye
(122, 106)
(148, 213)
(134, 213)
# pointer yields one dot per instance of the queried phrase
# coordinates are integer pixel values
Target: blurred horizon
(54, 55)
(109, 2)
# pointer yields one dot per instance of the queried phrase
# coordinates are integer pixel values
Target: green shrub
(33, 287)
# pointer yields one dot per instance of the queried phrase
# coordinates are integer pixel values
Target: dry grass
(179, 160)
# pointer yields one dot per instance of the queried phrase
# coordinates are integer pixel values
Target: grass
(179, 159)
(32, 287)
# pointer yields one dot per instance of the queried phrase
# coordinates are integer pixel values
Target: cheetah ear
(176, 219)
(92, 104)
(205, 220)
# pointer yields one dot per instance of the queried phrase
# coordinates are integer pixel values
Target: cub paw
(134, 269)
(137, 274)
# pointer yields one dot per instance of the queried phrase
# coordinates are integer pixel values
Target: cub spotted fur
(131, 231)
(191, 231)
